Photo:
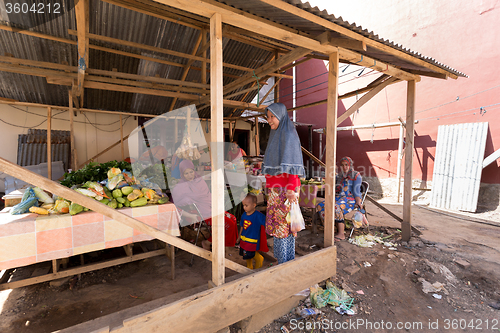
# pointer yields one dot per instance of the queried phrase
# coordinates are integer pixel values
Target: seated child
(252, 234)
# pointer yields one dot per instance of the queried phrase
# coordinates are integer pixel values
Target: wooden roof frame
(211, 15)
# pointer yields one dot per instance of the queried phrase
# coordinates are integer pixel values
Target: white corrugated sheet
(458, 166)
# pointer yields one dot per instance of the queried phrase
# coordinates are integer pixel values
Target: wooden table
(30, 238)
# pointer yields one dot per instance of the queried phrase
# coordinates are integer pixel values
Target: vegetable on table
(139, 202)
(38, 210)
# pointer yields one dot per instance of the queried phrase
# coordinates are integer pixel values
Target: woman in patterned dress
(347, 196)
(282, 167)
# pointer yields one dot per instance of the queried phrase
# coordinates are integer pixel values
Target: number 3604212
(34, 8)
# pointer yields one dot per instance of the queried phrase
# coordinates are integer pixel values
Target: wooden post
(230, 131)
(176, 131)
(410, 123)
(311, 150)
(73, 163)
(331, 147)
(277, 88)
(121, 136)
(204, 55)
(217, 138)
(49, 142)
(400, 157)
(257, 138)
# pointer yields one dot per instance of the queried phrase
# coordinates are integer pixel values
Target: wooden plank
(80, 270)
(349, 33)
(407, 192)
(400, 158)
(137, 90)
(257, 137)
(73, 158)
(347, 43)
(243, 105)
(49, 142)
(314, 158)
(273, 88)
(363, 100)
(236, 300)
(331, 147)
(64, 192)
(491, 158)
(231, 131)
(204, 56)
(82, 24)
(217, 138)
(121, 138)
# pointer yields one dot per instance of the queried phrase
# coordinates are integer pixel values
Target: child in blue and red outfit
(252, 235)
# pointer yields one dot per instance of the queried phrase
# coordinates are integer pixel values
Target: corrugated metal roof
(114, 21)
(458, 166)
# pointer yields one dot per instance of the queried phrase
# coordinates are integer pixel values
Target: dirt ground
(386, 293)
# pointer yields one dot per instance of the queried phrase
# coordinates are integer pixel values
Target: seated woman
(347, 195)
(235, 152)
(193, 189)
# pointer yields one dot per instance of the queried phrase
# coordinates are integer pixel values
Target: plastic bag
(295, 218)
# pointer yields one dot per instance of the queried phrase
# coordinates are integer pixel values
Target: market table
(30, 238)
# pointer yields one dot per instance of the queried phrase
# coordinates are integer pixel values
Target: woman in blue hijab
(282, 167)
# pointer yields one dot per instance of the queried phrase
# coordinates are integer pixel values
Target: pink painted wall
(460, 34)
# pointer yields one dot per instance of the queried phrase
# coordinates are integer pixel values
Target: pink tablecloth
(30, 238)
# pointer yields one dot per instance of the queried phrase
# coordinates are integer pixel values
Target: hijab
(283, 152)
(195, 191)
(350, 174)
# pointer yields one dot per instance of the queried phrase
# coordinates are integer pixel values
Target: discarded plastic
(332, 295)
(360, 292)
(367, 264)
(304, 313)
(437, 296)
(370, 240)
(342, 310)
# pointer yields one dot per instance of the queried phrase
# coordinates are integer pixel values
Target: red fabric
(263, 240)
(283, 180)
(230, 229)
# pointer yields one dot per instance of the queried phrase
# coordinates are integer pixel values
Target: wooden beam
(73, 69)
(217, 138)
(351, 34)
(407, 196)
(79, 270)
(121, 138)
(258, 25)
(257, 138)
(363, 100)
(347, 43)
(204, 56)
(243, 105)
(73, 158)
(191, 56)
(137, 90)
(49, 142)
(314, 158)
(331, 147)
(231, 131)
(71, 195)
(273, 88)
(82, 24)
(220, 307)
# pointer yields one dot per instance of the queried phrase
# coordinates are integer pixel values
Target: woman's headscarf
(351, 174)
(283, 153)
(195, 191)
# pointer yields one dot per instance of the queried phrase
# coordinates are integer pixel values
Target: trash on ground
(342, 310)
(304, 313)
(437, 296)
(367, 264)
(370, 240)
(331, 295)
(435, 287)
(360, 292)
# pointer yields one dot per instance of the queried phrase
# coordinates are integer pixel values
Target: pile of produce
(94, 172)
(122, 189)
(311, 181)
